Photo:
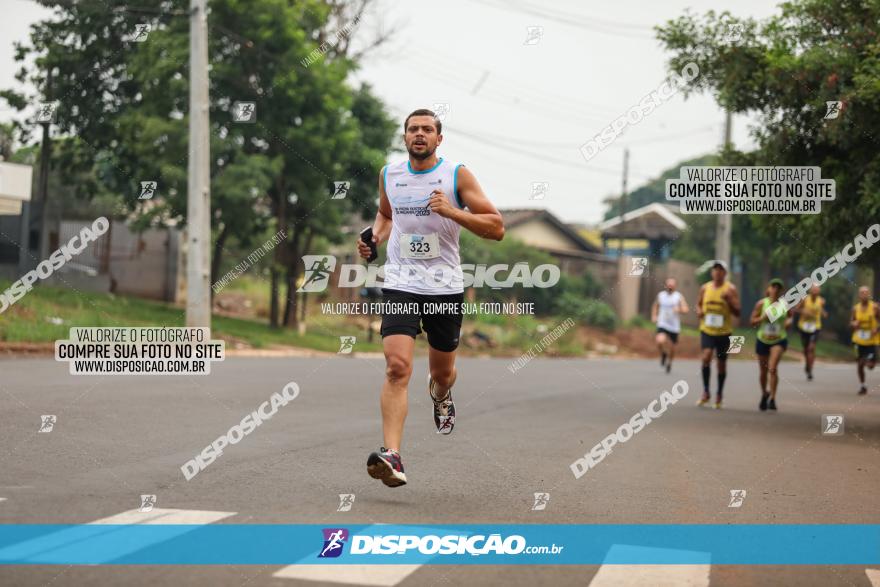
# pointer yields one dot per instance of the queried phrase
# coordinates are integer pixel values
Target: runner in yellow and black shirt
(811, 310)
(716, 306)
(864, 323)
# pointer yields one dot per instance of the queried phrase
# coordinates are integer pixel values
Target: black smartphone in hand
(367, 239)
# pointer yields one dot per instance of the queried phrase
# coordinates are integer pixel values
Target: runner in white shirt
(665, 313)
(424, 202)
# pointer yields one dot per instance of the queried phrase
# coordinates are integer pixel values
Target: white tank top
(667, 316)
(423, 256)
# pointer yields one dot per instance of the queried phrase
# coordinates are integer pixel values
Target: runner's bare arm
(700, 302)
(683, 306)
(481, 217)
(654, 311)
(853, 323)
(382, 224)
(789, 318)
(731, 296)
(756, 313)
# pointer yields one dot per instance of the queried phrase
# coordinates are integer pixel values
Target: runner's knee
(443, 375)
(398, 369)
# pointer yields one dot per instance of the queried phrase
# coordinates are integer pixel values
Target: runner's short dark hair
(424, 112)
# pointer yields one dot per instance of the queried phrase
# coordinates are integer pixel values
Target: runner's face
(670, 285)
(718, 274)
(864, 294)
(421, 137)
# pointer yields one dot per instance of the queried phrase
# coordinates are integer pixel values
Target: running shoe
(764, 397)
(772, 404)
(863, 390)
(704, 400)
(444, 410)
(669, 366)
(809, 376)
(386, 466)
(717, 402)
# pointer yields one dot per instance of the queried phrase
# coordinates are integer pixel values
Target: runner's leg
(398, 369)
(775, 356)
(811, 355)
(442, 368)
(660, 339)
(706, 371)
(722, 375)
(721, 346)
(762, 371)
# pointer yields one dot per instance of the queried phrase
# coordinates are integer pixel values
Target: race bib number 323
(419, 246)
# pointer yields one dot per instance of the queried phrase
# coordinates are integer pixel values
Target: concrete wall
(144, 264)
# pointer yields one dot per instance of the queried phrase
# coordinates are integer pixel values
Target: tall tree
(785, 69)
(125, 98)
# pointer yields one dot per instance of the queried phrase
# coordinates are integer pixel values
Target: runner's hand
(364, 249)
(440, 204)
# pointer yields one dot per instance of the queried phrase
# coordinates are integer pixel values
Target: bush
(511, 251)
(591, 312)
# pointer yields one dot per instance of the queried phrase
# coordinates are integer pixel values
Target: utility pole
(722, 231)
(198, 202)
(623, 201)
(43, 181)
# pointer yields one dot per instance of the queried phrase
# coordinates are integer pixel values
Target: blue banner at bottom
(488, 544)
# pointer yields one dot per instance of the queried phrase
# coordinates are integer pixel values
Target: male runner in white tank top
(423, 203)
(665, 313)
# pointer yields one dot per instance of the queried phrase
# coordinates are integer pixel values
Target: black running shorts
(867, 352)
(407, 313)
(673, 336)
(721, 344)
(808, 337)
(763, 349)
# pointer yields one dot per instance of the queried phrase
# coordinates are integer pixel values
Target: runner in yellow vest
(811, 310)
(772, 340)
(866, 334)
(717, 304)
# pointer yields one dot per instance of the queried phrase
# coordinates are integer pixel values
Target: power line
(572, 20)
(534, 155)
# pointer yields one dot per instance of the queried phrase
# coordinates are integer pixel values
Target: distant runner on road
(716, 306)
(665, 312)
(771, 343)
(811, 311)
(865, 337)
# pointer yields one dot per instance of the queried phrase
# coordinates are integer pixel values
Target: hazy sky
(518, 113)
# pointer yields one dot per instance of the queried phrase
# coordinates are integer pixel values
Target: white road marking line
(2, 499)
(873, 577)
(165, 516)
(613, 575)
(379, 575)
(69, 543)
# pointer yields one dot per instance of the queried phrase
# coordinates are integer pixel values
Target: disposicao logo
(334, 540)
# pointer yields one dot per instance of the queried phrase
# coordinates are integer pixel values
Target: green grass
(28, 321)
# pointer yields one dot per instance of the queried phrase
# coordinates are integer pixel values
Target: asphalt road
(118, 437)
